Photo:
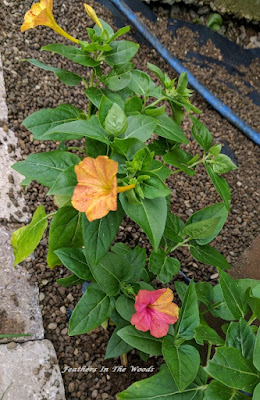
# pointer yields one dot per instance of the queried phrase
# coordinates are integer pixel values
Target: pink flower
(155, 311)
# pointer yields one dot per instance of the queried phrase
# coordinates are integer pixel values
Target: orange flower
(96, 191)
(92, 14)
(41, 14)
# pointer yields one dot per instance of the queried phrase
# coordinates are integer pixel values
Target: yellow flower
(92, 14)
(41, 14)
(96, 191)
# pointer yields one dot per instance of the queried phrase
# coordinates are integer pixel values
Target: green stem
(181, 244)
(155, 102)
(208, 353)
(252, 319)
(91, 81)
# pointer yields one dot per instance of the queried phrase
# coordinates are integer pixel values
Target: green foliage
(214, 22)
(26, 239)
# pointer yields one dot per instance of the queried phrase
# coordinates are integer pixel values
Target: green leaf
(95, 95)
(256, 394)
(65, 183)
(116, 346)
(204, 292)
(155, 111)
(201, 134)
(230, 368)
(180, 159)
(181, 289)
(189, 314)
(72, 53)
(116, 121)
(136, 257)
(173, 228)
(149, 214)
(215, 150)
(67, 77)
(215, 211)
(46, 167)
(70, 280)
(154, 187)
(76, 130)
(256, 355)
(127, 147)
(204, 333)
(164, 267)
(119, 78)
(219, 308)
(140, 127)
(231, 294)
(222, 164)
(25, 240)
(182, 83)
(209, 255)
(202, 229)
(123, 52)
(41, 121)
(183, 362)
(159, 169)
(75, 261)
(168, 129)
(214, 21)
(215, 390)
(99, 234)
(240, 336)
(93, 308)
(125, 307)
(120, 32)
(65, 231)
(161, 386)
(110, 272)
(220, 184)
(140, 82)
(141, 340)
(157, 71)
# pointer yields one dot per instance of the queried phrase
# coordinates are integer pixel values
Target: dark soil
(30, 89)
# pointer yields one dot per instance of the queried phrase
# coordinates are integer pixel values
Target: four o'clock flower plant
(114, 172)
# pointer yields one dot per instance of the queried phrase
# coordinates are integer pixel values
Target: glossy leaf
(164, 267)
(46, 167)
(72, 53)
(70, 280)
(93, 308)
(215, 390)
(222, 164)
(205, 333)
(168, 129)
(231, 294)
(75, 261)
(209, 255)
(149, 214)
(220, 184)
(183, 362)
(141, 340)
(189, 314)
(125, 307)
(116, 346)
(65, 231)
(140, 127)
(122, 52)
(201, 134)
(240, 336)
(202, 229)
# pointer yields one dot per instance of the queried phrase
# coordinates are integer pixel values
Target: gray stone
(19, 307)
(23, 372)
(3, 106)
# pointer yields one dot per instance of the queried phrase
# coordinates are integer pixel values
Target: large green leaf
(161, 386)
(93, 308)
(189, 314)
(136, 257)
(221, 185)
(173, 228)
(150, 214)
(216, 391)
(140, 127)
(230, 368)
(41, 121)
(164, 267)
(76, 130)
(95, 95)
(180, 159)
(122, 52)
(215, 211)
(240, 336)
(154, 187)
(67, 77)
(115, 122)
(141, 340)
(256, 394)
(46, 167)
(204, 333)
(202, 229)
(72, 53)
(168, 129)
(231, 294)
(116, 346)
(99, 234)
(222, 164)
(65, 231)
(209, 255)
(110, 272)
(65, 183)
(201, 134)
(70, 280)
(139, 82)
(183, 362)
(75, 261)
(27, 238)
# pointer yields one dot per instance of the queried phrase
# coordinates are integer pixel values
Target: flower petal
(147, 297)
(141, 320)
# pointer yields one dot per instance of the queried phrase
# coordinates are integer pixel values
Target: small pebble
(41, 296)
(11, 345)
(52, 325)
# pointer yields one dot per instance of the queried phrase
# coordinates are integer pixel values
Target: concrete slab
(3, 106)
(248, 266)
(19, 306)
(30, 371)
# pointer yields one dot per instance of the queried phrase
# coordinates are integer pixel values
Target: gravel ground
(28, 90)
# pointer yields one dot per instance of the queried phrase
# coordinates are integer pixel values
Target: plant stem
(155, 102)
(209, 353)
(179, 245)
(91, 81)
(253, 317)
